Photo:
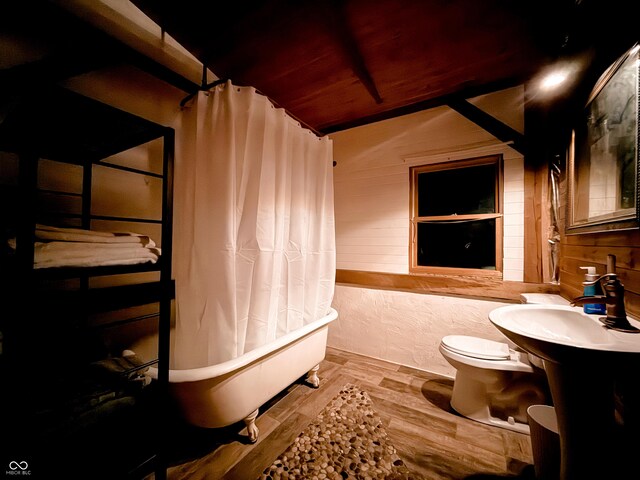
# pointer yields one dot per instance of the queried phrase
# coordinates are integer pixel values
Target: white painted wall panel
(377, 267)
(406, 328)
(502, 105)
(380, 241)
(371, 182)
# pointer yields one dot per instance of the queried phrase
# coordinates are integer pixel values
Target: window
(456, 219)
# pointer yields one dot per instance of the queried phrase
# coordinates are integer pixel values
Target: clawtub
(222, 394)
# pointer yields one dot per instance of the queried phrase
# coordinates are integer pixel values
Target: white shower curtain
(254, 227)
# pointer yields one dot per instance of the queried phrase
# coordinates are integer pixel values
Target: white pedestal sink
(582, 359)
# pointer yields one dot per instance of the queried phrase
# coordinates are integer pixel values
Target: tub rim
(213, 371)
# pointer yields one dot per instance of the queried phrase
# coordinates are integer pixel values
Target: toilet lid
(477, 347)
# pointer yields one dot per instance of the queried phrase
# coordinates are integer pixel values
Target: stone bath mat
(347, 440)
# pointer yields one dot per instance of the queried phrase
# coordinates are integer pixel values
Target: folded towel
(60, 250)
(77, 237)
(146, 256)
(74, 247)
(90, 238)
(81, 231)
(80, 248)
(46, 232)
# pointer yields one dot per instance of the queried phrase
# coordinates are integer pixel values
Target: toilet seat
(515, 363)
(476, 347)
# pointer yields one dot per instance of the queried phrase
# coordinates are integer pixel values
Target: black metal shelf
(67, 127)
(48, 323)
(79, 272)
(107, 299)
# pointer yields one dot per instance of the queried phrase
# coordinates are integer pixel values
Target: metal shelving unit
(50, 340)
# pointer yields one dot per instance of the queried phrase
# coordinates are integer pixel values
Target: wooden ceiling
(334, 64)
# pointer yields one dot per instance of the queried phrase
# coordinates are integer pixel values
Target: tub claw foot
(312, 377)
(252, 429)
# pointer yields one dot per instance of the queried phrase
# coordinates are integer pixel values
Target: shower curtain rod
(202, 88)
(208, 86)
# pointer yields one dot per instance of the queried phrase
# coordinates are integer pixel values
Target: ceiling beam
(468, 92)
(495, 127)
(338, 24)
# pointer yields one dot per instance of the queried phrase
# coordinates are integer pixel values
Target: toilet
(495, 381)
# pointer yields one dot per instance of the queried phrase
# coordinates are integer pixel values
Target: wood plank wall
(371, 184)
(592, 249)
(371, 181)
(486, 288)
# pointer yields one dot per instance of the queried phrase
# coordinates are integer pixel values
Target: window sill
(471, 286)
(454, 272)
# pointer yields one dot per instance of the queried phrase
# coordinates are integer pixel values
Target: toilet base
(496, 422)
(471, 399)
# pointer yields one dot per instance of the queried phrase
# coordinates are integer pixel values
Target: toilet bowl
(495, 382)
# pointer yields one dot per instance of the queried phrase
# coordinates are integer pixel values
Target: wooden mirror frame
(599, 113)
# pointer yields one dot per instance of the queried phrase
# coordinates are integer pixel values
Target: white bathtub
(220, 395)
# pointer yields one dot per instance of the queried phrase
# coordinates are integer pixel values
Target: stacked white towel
(74, 247)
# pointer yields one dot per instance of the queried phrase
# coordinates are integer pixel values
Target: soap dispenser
(591, 287)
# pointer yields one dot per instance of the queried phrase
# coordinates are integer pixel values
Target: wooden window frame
(414, 268)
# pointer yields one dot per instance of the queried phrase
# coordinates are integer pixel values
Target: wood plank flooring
(432, 440)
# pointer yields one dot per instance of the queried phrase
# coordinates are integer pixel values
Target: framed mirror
(603, 155)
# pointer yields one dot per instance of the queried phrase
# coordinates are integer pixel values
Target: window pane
(459, 191)
(470, 244)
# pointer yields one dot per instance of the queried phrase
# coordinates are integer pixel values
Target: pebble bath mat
(347, 440)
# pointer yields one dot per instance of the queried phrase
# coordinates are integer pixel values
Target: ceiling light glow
(553, 80)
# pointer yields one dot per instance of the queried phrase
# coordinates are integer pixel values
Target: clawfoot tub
(220, 395)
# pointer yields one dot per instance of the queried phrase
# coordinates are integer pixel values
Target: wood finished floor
(432, 440)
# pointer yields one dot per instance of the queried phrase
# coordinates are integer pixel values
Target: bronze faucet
(613, 299)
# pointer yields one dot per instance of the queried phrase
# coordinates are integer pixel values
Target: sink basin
(583, 361)
(559, 333)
